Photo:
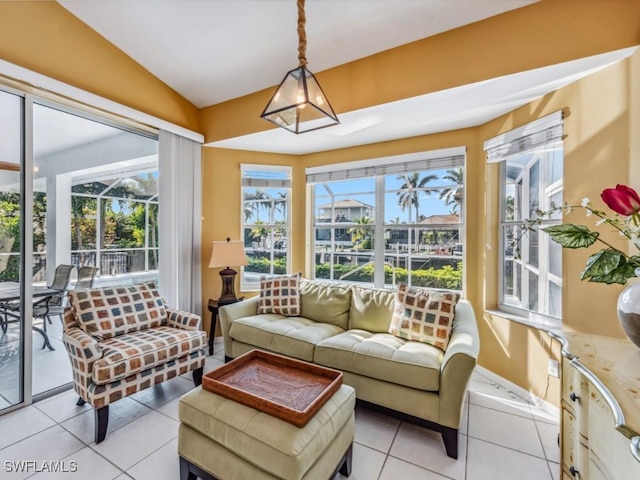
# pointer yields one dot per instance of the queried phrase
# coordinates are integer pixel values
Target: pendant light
(299, 104)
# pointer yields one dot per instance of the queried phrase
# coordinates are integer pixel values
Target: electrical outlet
(553, 368)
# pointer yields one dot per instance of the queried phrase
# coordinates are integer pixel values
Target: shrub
(263, 265)
(447, 277)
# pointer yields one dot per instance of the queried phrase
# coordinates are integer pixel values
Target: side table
(214, 306)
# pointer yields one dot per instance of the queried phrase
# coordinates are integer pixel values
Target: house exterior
(345, 210)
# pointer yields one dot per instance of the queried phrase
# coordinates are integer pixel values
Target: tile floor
(503, 437)
(51, 368)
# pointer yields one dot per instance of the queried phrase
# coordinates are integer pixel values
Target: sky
(363, 190)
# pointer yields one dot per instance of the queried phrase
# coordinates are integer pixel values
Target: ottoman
(222, 439)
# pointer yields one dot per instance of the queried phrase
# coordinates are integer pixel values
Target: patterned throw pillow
(280, 295)
(423, 316)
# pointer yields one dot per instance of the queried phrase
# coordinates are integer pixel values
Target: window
(386, 221)
(266, 192)
(531, 162)
(126, 238)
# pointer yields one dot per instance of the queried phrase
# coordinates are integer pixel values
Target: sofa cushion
(110, 311)
(325, 302)
(292, 336)
(371, 309)
(133, 353)
(384, 357)
(280, 295)
(423, 316)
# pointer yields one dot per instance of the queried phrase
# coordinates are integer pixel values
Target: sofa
(124, 339)
(346, 327)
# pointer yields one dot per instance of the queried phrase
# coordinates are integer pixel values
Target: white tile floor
(503, 437)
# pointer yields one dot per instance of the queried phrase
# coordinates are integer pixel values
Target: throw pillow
(423, 316)
(280, 295)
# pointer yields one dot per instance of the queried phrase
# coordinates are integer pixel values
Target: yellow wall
(541, 34)
(222, 204)
(598, 130)
(47, 39)
(601, 121)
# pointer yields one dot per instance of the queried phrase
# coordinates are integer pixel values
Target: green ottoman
(222, 439)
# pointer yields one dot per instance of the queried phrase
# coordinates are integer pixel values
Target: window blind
(437, 159)
(265, 176)
(541, 132)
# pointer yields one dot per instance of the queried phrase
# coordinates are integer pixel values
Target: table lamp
(223, 254)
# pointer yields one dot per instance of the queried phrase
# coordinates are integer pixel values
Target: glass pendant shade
(299, 104)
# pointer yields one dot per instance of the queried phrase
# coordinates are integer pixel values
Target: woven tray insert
(285, 388)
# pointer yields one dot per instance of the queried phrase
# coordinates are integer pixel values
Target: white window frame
(536, 138)
(265, 182)
(377, 169)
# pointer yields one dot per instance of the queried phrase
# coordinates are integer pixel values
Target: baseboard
(521, 392)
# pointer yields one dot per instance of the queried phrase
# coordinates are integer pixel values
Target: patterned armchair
(124, 339)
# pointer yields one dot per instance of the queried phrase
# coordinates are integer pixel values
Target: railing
(111, 262)
(115, 262)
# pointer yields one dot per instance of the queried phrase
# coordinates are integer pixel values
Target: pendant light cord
(302, 36)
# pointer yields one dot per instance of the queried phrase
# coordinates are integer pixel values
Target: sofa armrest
(458, 363)
(83, 351)
(183, 320)
(229, 313)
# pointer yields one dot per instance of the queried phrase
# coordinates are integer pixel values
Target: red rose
(622, 199)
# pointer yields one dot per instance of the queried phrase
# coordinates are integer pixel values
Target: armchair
(122, 340)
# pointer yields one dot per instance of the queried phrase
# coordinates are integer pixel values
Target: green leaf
(572, 236)
(608, 266)
(634, 261)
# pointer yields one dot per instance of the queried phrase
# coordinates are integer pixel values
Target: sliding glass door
(12, 328)
(76, 190)
(95, 200)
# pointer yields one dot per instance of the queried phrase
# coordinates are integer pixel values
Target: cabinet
(600, 408)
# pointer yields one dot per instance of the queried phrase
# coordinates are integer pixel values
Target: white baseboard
(521, 392)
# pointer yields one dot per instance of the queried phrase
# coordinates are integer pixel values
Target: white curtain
(179, 219)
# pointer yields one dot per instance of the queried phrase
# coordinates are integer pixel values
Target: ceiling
(211, 51)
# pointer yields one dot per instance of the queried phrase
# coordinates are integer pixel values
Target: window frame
(255, 182)
(377, 170)
(542, 152)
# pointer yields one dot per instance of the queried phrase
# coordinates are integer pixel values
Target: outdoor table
(10, 306)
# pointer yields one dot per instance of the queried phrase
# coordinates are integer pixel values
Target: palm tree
(360, 235)
(280, 203)
(409, 194)
(454, 194)
(259, 233)
(252, 205)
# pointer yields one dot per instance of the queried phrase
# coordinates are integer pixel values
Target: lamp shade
(299, 104)
(228, 253)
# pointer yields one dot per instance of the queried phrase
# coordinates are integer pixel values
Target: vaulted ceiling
(213, 51)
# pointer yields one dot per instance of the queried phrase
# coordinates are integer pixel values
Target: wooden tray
(289, 389)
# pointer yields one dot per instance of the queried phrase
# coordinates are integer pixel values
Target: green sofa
(345, 327)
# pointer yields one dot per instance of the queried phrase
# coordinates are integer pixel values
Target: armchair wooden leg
(102, 421)
(197, 376)
(80, 402)
(450, 439)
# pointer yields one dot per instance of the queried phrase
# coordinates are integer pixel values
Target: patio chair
(86, 275)
(53, 305)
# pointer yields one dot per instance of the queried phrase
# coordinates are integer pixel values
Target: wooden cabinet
(600, 408)
(574, 444)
